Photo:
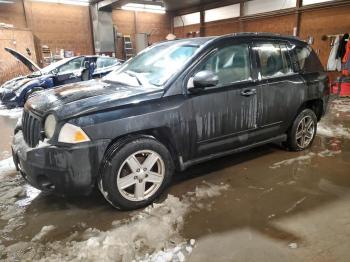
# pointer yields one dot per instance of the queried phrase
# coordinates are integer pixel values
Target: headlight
(50, 126)
(72, 134)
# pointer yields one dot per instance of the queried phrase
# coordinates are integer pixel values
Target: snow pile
(154, 230)
(43, 232)
(338, 131)
(13, 191)
(10, 191)
(11, 113)
(173, 254)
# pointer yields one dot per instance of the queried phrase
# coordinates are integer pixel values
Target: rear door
(281, 90)
(226, 114)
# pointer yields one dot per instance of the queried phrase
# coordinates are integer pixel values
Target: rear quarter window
(308, 60)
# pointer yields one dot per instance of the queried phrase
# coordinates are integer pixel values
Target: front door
(225, 114)
(70, 72)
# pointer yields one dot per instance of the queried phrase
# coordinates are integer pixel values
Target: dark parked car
(69, 70)
(174, 105)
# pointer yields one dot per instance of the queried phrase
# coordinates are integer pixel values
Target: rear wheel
(303, 131)
(138, 172)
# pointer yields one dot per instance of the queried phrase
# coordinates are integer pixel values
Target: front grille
(31, 129)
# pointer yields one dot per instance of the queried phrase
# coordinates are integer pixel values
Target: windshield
(54, 65)
(154, 66)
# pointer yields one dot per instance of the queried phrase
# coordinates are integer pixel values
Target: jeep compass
(176, 104)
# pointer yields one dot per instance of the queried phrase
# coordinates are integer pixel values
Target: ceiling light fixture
(144, 8)
(67, 2)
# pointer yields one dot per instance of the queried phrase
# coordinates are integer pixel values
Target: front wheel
(136, 174)
(303, 131)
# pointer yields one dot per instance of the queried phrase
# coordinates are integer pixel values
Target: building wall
(19, 39)
(315, 23)
(13, 14)
(318, 23)
(61, 26)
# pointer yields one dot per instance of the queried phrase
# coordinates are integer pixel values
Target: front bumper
(61, 170)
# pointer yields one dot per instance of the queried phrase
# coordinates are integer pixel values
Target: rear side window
(308, 60)
(274, 60)
(231, 64)
(105, 62)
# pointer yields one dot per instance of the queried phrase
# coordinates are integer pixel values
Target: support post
(202, 23)
(298, 17)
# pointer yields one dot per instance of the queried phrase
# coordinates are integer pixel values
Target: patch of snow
(43, 232)
(299, 159)
(6, 167)
(192, 242)
(43, 143)
(338, 131)
(209, 191)
(341, 105)
(328, 153)
(293, 245)
(30, 194)
(177, 253)
(11, 113)
(294, 206)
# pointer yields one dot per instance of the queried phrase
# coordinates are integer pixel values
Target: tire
(31, 92)
(303, 131)
(126, 180)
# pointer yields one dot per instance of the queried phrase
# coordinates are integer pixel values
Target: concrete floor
(266, 204)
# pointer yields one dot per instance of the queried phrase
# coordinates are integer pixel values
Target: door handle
(248, 92)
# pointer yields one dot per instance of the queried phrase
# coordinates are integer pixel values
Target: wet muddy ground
(266, 204)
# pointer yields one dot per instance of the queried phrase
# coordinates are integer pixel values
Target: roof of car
(204, 40)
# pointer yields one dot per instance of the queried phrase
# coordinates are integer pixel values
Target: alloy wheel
(305, 132)
(141, 175)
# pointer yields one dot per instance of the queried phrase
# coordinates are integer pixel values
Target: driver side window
(231, 64)
(72, 65)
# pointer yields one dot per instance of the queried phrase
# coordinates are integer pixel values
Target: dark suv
(176, 104)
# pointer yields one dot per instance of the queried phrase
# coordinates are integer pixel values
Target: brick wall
(61, 26)
(19, 39)
(13, 14)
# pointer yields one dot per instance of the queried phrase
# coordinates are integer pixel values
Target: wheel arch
(160, 134)
(315, 105)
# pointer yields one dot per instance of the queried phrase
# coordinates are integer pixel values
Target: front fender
(24, 90)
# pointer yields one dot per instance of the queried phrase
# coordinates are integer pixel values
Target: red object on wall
(344, 89)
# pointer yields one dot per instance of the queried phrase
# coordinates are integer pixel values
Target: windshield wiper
(133, 74)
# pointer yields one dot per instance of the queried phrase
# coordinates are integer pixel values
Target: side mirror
(205, 79)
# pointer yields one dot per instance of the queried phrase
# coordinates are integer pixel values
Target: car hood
(83, 98)
(10, 84)
(26, 61)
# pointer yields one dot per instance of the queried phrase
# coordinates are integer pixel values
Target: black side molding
(185, 165)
